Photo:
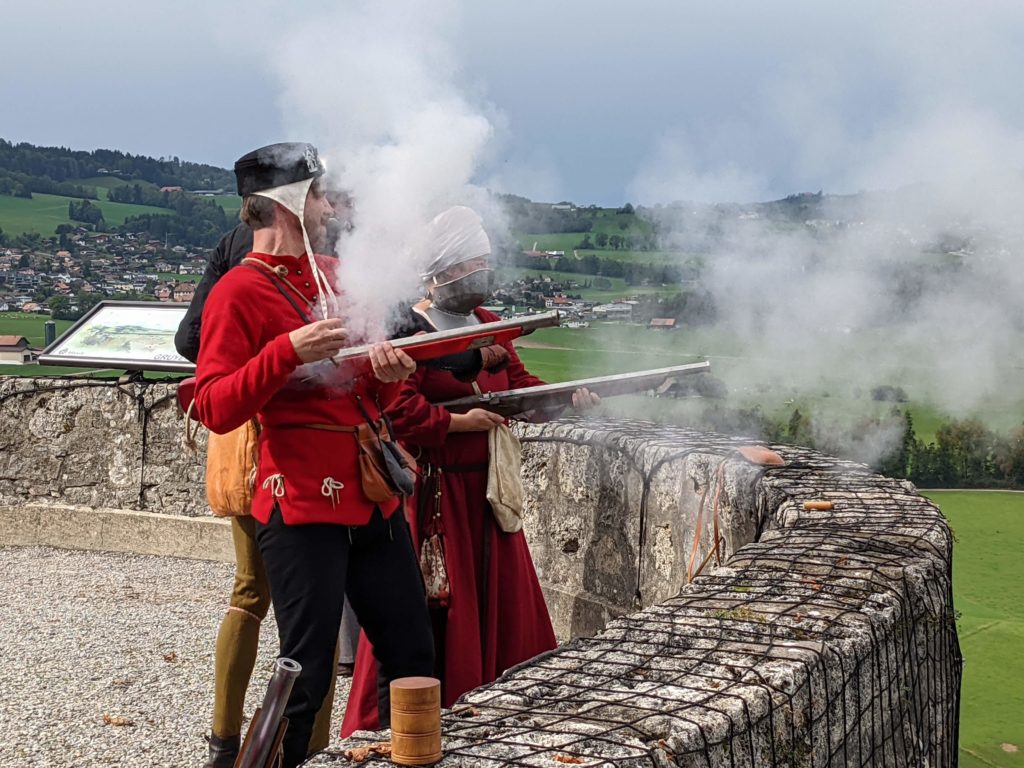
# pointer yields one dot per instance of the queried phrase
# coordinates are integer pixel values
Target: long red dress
(496, 616)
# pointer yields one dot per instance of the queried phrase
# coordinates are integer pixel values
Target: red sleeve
(416, 421)
(235, 375)
(518, 376)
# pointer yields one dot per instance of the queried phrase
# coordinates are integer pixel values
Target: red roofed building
(14, 350)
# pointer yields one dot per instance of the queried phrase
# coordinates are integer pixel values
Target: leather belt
(324, 427)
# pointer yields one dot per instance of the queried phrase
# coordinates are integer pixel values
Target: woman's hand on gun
(319, 340)
(583, 398)
(476, 420)
(390, 364)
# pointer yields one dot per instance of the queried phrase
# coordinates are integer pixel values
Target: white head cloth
(292, 197)
(454, 236)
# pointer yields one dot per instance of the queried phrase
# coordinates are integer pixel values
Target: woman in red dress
(495, 616)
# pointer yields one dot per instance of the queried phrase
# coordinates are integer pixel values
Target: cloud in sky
(597, 102)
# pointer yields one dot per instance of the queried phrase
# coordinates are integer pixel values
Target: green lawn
(988, 572)
(28, 325)
(618, 290)
(567, 241)
(43, 213)
(231, 204)
(42, 371)
(104, 183)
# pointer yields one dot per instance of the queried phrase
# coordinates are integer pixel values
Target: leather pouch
(231, 470)
(385, 468)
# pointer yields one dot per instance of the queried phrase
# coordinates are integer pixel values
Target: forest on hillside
(60, 164)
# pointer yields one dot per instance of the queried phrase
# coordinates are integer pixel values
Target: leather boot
(223, 752)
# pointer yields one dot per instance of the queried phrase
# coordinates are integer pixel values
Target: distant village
(63, 279)
(95, 266)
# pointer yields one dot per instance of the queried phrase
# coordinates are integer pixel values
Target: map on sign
(131, 335)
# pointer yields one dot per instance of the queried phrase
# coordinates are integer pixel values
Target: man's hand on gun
(323, 339)
(390, 364)
(319, 340)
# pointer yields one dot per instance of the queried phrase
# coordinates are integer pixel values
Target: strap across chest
(276, 276)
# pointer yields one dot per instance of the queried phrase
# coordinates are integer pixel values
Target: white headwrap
(454, 236)
(292, 197)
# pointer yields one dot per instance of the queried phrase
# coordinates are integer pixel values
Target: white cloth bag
(504, 479)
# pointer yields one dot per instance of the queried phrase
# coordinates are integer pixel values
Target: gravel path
(107, 659)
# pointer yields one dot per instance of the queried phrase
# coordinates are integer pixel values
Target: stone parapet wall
(822, 638)
(613, 509)
(96, 443)
(826, 639)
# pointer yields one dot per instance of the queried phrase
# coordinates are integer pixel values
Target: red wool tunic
(496, 617)
(248, 367)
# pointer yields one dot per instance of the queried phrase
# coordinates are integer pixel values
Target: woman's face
(456, 271)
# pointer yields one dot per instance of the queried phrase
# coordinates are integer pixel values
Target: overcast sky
(647, 100)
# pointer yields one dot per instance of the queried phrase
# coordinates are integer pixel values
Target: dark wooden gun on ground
(262, 745)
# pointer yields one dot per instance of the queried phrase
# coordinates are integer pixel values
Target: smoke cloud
(915, 285)
(377, 86)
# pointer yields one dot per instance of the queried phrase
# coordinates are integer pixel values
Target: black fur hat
(276, 165)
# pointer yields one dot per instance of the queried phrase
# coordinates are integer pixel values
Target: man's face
(344, 208)
(317, 212)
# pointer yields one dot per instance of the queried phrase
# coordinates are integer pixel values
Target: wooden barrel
(415, 721)
(822, 505)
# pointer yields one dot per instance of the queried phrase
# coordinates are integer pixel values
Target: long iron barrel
(486, 333)
(278, 690)
(512, 402)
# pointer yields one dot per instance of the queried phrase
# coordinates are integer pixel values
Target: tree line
(87, 213)
(592, 264)
(18, 184)
(62, 164)
(200, 221)
(964, 454)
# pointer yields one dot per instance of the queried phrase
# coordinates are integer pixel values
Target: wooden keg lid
(416, 692)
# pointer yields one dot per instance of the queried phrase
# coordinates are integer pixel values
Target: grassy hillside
(989, 529)
(43, 213)
(567, 241)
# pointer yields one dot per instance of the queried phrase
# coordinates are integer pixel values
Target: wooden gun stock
(513, 402)
(262, 743)
(430, 346)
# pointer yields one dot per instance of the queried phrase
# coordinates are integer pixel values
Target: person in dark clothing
(229, 252)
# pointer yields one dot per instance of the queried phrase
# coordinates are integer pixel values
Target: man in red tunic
(263, 353)
(495, 616)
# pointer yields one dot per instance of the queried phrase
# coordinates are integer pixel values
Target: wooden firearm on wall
(514, 402)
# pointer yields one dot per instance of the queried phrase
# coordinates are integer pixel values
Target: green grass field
(43, 213)
(231, 204)
(618, 289)
(28, 325)
(987, 572)
(567, 241)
